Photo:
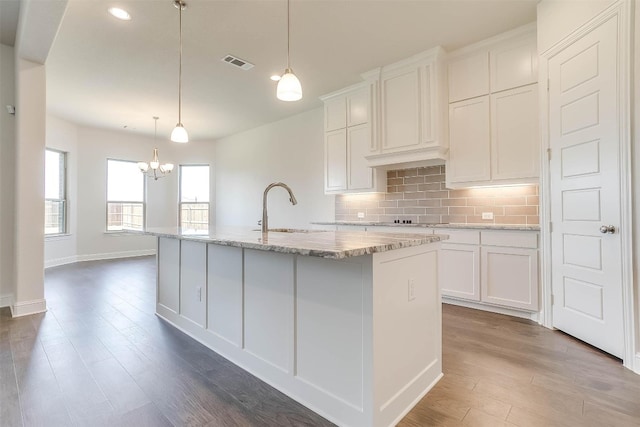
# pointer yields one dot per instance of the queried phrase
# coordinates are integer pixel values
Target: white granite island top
(317, 243)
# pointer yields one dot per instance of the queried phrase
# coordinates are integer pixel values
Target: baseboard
(493, 309)
(97, 257)
(26, 308)
(6, 300)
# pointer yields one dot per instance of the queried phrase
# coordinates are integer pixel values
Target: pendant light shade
(289, 87)
(179, 133)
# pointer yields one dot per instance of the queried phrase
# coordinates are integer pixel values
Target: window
(194, 197)
(125, 196)
(55, 192)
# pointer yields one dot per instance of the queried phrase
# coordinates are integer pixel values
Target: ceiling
(9, 10)
(108, 73)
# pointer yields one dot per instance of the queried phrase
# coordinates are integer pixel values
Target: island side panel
(193, 282)
(407, 335)
(168, 256)
(333, 335)
(225, 293)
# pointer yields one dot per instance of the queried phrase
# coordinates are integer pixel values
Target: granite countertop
(516, 227)
(319, 243)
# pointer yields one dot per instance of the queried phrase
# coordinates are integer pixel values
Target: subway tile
(533, 200)
(392, 189)
(454, 202)
(533, 220)
(374, 211)
(437, 211)
(430, 170)
(394, 196)
(392, 174)
(510, 219)
(408, 203)
(481, 201)
(389, 203)
(415, 211)
(436, 194)
(521, 210)
(432, 186)
(414, 180)
(387, 218)
(395, 181)
(434, 178)
(407, 188)
(454, 219)
(473, 219)
(461, 210)
(431, 203)
(496, 210)
(511, 201)
(415, 195)
(459, 193)
(393, 211)
(429, 219)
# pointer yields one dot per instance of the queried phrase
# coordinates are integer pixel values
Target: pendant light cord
(180, 69)
(288, 35)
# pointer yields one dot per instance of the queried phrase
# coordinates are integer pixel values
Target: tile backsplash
(421, 195)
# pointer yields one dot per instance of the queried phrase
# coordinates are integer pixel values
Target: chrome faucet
(292, 199)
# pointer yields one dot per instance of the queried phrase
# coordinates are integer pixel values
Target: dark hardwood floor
(100, 357)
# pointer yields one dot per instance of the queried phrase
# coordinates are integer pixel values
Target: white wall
(291, 151)
(7, 156)
(63, 136)
(562, 17)
(88, 150)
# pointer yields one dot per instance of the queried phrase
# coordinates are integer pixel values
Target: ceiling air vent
(240, 63)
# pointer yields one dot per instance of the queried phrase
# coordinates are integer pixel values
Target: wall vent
(235, 61)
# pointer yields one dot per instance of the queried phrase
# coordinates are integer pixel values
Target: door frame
(622, 9)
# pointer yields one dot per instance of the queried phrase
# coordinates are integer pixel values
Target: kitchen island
(346, 323)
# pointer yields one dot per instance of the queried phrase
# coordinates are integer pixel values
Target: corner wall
(290, 151)
(7, 156)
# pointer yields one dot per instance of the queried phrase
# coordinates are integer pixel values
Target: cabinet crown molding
(344, 91)
(527, 30)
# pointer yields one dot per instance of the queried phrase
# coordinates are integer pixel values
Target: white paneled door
(584, 136)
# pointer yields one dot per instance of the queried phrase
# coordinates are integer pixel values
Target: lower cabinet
(491, 267)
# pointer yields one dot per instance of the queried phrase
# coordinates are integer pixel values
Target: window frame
(180, 202)
(107, 201)
(63, 200)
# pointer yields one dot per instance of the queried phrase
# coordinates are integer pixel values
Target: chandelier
(154, 167)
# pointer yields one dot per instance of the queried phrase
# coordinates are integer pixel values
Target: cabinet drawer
(399, 229)
(514, 239)
(465, 237)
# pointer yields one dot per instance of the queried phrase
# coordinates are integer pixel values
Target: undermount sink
(291, 230)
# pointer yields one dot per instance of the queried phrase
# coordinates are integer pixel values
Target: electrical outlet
(412, 289)
(487, 215)
(360, 214)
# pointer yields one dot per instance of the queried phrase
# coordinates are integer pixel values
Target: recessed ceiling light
(275, 77)
(119, 13)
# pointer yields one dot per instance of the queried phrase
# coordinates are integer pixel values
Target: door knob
(607, 229)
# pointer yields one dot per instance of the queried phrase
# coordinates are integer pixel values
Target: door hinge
(549, 154)
(553, 299)
(550, 227)
(548, 84)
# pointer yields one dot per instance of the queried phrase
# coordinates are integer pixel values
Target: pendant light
(179, 133)
(152, 168)
(289, 88)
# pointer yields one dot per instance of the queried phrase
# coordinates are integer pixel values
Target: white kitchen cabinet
(411, 116)
(193, 282)
(469, 76)
(510, 277)
(494, 138)
(469, 141)
(335, 160)
(348, 139)
(515, 143)
(490, 268)
(514, 63)
(169, 273)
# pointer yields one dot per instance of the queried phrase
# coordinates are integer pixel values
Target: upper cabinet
(493, 112)
(410, 119)
(348, 138)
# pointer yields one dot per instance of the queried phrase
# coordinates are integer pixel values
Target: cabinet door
(515, 142)
(510, 277)
(358, 107)
(468, 76)
(460, 271)
(400, 110)
(336, 160)
(514, 63)
(335, 113)
(359, 175)
(469, 141)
